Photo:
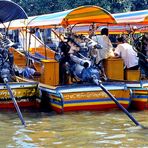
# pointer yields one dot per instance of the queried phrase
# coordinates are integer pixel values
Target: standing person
(107, 47)
(104, 51)
(127, 53)
(63, 58)
(143, 54)
(144, 42)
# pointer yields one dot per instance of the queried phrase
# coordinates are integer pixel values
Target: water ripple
(77, 129)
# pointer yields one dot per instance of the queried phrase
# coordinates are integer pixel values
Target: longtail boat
(84, 97)
(131, 89)
(16, 92)
(139, 95)
(73, 96)
(137, 21)
(25, 93)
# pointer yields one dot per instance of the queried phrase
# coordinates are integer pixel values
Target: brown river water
(73, 130)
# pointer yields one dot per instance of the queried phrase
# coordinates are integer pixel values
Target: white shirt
(107, 48)
(127, 53)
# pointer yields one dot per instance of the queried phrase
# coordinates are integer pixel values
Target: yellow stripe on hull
(143, 92)
(55, 98)
(18, 92)
(57, 106)
(140, 99)
(90, 103)
(94, 94)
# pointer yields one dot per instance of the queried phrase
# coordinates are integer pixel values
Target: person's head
(71, 41)
(146, 35)
(64, 46)
(91, 32)
(121, 39)
(104, 31)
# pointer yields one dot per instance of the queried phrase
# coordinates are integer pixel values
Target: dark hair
(69, 39)
(64, 47)
(104, 31)
(121, 39)
(73, 41)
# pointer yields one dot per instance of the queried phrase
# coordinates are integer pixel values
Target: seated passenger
(27, 72)
(127, 53)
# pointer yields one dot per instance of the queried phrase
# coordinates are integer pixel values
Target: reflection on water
(77, 129)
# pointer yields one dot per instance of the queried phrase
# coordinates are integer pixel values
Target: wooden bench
(114, 68)
(132, 75)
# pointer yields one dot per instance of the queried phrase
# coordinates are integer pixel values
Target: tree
(139, 5)
(37, 7)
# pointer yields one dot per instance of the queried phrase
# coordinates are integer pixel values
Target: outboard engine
(83, 70)
(90, 74)
(77, 66)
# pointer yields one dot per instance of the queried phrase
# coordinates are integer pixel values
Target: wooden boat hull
(25, 94)
(82, 97)
(139, 95)
(140, 99)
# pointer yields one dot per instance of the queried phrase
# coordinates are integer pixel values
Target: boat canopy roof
(10, 11)
(80, 15)
(134, 21)
(133, 17)
(85, 15)
(88, 14)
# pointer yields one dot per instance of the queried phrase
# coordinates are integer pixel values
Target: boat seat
(114, 68)
(132, 75)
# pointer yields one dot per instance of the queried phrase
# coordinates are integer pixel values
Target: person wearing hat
(127, 53)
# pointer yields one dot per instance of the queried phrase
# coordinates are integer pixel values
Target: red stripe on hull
(88, 108)
(139, 105)
(10, 105)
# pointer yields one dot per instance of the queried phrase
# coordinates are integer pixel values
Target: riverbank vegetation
(37, 7)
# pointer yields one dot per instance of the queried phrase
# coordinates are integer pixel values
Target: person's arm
(36, 73)
(116, 55)
(117, 51)
(33, 72)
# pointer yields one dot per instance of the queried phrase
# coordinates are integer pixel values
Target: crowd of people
(77, 52)
(94, 49)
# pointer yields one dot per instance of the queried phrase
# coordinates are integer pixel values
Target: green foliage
(139, 5)
(37, 7)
